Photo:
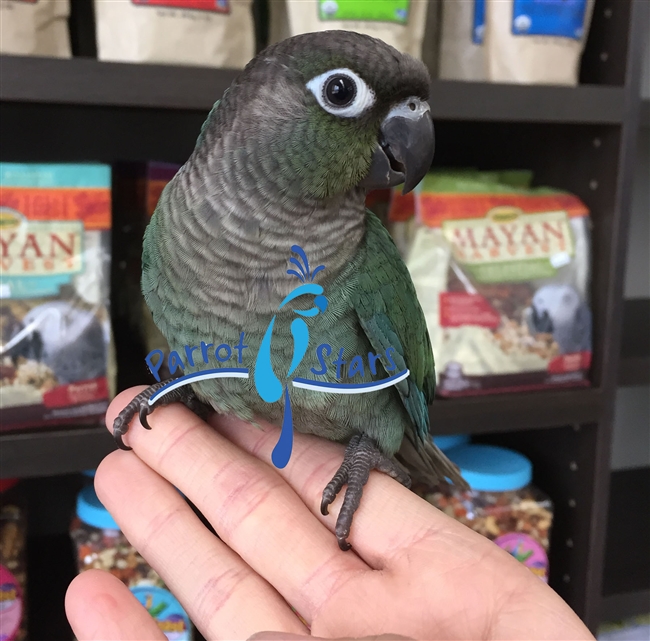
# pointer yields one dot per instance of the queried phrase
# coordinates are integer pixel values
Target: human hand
(412, 571)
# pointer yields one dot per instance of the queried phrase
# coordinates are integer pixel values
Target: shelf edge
(89, 82)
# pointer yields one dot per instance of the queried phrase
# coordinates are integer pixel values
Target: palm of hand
(413, 571)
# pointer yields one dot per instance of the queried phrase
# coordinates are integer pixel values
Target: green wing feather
(390, 315)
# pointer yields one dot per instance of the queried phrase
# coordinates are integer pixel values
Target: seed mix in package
(502, 273)
(56, 356)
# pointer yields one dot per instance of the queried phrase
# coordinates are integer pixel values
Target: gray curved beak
(405, 148)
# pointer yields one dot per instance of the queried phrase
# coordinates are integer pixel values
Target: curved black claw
(361, 457)
(145, 410)
(120, 428)
(140, 406)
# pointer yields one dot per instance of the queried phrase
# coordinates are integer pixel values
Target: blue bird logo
(267, 384)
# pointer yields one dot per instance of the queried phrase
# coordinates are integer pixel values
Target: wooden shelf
(634, 367)
(84, 81)
(49, 452)
(509, 412)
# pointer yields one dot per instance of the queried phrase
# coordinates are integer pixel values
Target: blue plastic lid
(447, 441)
(492, 469)
(92, 512)
(166, 610)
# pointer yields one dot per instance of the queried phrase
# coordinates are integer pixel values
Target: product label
(508, 245)
(376, 11)
(11, 605)
(478, 25)
(90, 206)
(76, 393)
(563, 18)
(37, 257)
(166, 610)
(401, 207)
(458, 309)
(158, 177)
(218, 6)
(526, 550)
(574, 362)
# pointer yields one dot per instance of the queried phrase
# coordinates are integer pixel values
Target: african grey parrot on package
(73, 340)
(285, 159)
(559, 310)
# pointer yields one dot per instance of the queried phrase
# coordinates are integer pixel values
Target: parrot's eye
(342, 92)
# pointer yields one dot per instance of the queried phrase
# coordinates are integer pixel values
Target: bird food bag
(35, 27)
(399, 23)
(502, 273)
(208, 33)
(536, 41)
(462, 51)
(55, 345)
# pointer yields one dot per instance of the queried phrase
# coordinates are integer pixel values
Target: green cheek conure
(285, 159)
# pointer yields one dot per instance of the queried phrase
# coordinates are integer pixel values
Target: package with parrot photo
(56, 348)
(502, 274)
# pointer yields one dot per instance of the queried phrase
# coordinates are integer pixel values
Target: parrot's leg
(140, 406)
(361, 457)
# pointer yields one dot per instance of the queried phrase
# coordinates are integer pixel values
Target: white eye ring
(362, 101)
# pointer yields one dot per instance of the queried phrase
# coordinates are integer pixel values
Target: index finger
(378, 534)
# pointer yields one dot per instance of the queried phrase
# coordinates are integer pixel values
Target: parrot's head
(336, 110)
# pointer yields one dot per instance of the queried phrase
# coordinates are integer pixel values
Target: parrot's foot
(361, 457)
(140, 406)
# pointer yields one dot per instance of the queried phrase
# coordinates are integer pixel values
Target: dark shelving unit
(53, 451)
(634, 368)
(83, 81)
(645, 113)
(50, 558)
(581, 139)
(626, 581)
